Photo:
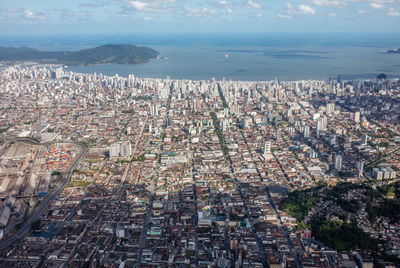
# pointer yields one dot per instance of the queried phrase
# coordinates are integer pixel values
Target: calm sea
(256, 57)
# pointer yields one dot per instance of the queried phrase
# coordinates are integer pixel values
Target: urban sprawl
(100, 171)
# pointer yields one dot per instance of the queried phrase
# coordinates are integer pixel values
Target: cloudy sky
(22, 17)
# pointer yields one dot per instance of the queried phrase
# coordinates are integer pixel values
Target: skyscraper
(360, 167)
(306, 132)
(338, 162)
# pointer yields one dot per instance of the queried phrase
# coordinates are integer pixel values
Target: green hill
(118, 54)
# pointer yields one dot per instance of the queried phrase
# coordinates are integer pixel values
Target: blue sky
(21, 17)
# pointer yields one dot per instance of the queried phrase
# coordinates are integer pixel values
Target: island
(394, 51)
(117, 54)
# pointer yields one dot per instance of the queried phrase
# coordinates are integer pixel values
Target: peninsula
(117, 54)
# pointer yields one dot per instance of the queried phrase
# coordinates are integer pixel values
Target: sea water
(256, 57)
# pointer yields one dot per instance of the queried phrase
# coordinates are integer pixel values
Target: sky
(55, 17)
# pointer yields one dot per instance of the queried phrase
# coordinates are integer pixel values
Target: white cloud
(152, 6)
(377, 5)
(393, 12)
(307, 10)
(28, 14)
(138, 5)
(68, 15)
(332, 3)
(200, 12)
(291, 11)
(332, 15)
(89, 5)
(252, 4)
(147, 18)
(222, 4)
(284, 16)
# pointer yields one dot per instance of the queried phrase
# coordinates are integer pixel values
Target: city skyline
(178, 16)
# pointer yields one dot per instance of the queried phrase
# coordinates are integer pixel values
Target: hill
(118, 54)
(394, 51)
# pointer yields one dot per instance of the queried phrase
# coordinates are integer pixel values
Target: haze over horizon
(176, 16)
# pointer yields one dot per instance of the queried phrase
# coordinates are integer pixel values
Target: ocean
(250, 57)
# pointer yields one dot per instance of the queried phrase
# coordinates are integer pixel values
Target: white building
(360, 167)
(306, 132)
(338, 162)
(330, 108)
(267, 150)
(121, 149)
(356, 117)
(384, 173)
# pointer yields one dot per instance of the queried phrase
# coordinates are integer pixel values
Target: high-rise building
(333, 140)
(321, 124)
(235, 109)
(224, 124)
(267, 150)
(169, 121)
(153, 109)
(306, 132)
(356, 117)
(338, 162)
(384, 173)
(330, 108)
(364, 139)
(244, 123)
(278, 134)
(360, 167)
(312, 154)
(324, 122)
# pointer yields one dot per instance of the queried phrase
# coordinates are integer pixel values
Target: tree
(302, 226)
(341, 236)
(381, 76)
